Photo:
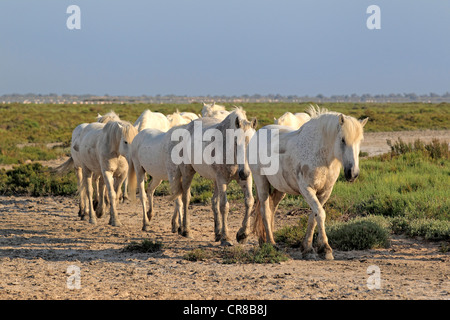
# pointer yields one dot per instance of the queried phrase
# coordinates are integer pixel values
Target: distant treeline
(171, 98)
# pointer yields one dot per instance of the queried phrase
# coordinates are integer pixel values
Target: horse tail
(65, 167)
(132, 181)
(258, 224)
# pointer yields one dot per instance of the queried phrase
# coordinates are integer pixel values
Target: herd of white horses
(112, 154)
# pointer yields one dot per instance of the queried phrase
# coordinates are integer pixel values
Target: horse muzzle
(351, 174)
(244, 174)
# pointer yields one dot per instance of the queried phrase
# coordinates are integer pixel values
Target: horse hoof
(115, 223)
(218, 237)
(146, 228)
(241, 237)
(329, 256)
(186, 234)
(226, 243)
(92, 221)
(309, 254)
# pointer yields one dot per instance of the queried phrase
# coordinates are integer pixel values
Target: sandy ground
(45, 249)
(42, 237)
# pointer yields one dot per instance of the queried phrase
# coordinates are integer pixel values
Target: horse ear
(341, 119)
(120, 125)
(364, 121)
(254, 123)
(237, 122)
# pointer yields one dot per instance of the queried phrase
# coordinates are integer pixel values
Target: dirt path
(41, 237)
(375, 142)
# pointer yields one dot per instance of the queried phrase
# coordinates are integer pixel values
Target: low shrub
(36, 180)
(359, 234)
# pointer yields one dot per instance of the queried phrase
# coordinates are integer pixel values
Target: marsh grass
(46, 123)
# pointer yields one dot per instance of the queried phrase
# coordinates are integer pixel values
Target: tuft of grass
(198, 254)
(267, 253)
(145, 246)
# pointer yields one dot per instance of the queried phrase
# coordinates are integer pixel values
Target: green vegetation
(238, 254)
(36, 180)
(145, 246)
(47, 123)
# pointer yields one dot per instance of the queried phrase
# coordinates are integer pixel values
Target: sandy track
(41, 237)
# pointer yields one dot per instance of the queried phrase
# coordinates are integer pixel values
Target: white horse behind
(293, 120)
(214, 111)
(102, 150)
(148, 156)
(149, 119)
(310, 160)
(177, 119)
(75, 162)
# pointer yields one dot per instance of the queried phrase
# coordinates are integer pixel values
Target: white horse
(214, 111)
(102, 151)
(148, 155)
(222, 169)
(310, 160)
(149, 119)
(75, 162)
(189, 115)
(292, 120)
(176, 119)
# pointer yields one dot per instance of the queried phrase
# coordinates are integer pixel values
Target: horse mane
(114, 130)
(351, 129)
(110, 116)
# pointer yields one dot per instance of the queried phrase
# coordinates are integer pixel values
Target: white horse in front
(310, 160)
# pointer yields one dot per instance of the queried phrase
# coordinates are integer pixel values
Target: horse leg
(263, 224)
(188, 175)
(177, 218)
(81, 192)
(217, 218)
(87, 182)
(99, 202)
(140, 177)
(151, 191)
(118, 182)
(317, 216)
(224, 206)
(245, 230)
(109, 181)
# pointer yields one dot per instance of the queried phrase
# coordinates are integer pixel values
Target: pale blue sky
(227, 47)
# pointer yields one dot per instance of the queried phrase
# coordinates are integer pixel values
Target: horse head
(128, 132)
(347, 144)
(243, 131)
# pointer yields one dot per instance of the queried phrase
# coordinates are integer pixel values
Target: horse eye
(126, 142)
(343, 140)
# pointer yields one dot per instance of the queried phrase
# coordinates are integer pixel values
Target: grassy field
(26, 129)
(409, 187)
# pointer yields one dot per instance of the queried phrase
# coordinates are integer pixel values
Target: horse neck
(326, 133)
(114, 139)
